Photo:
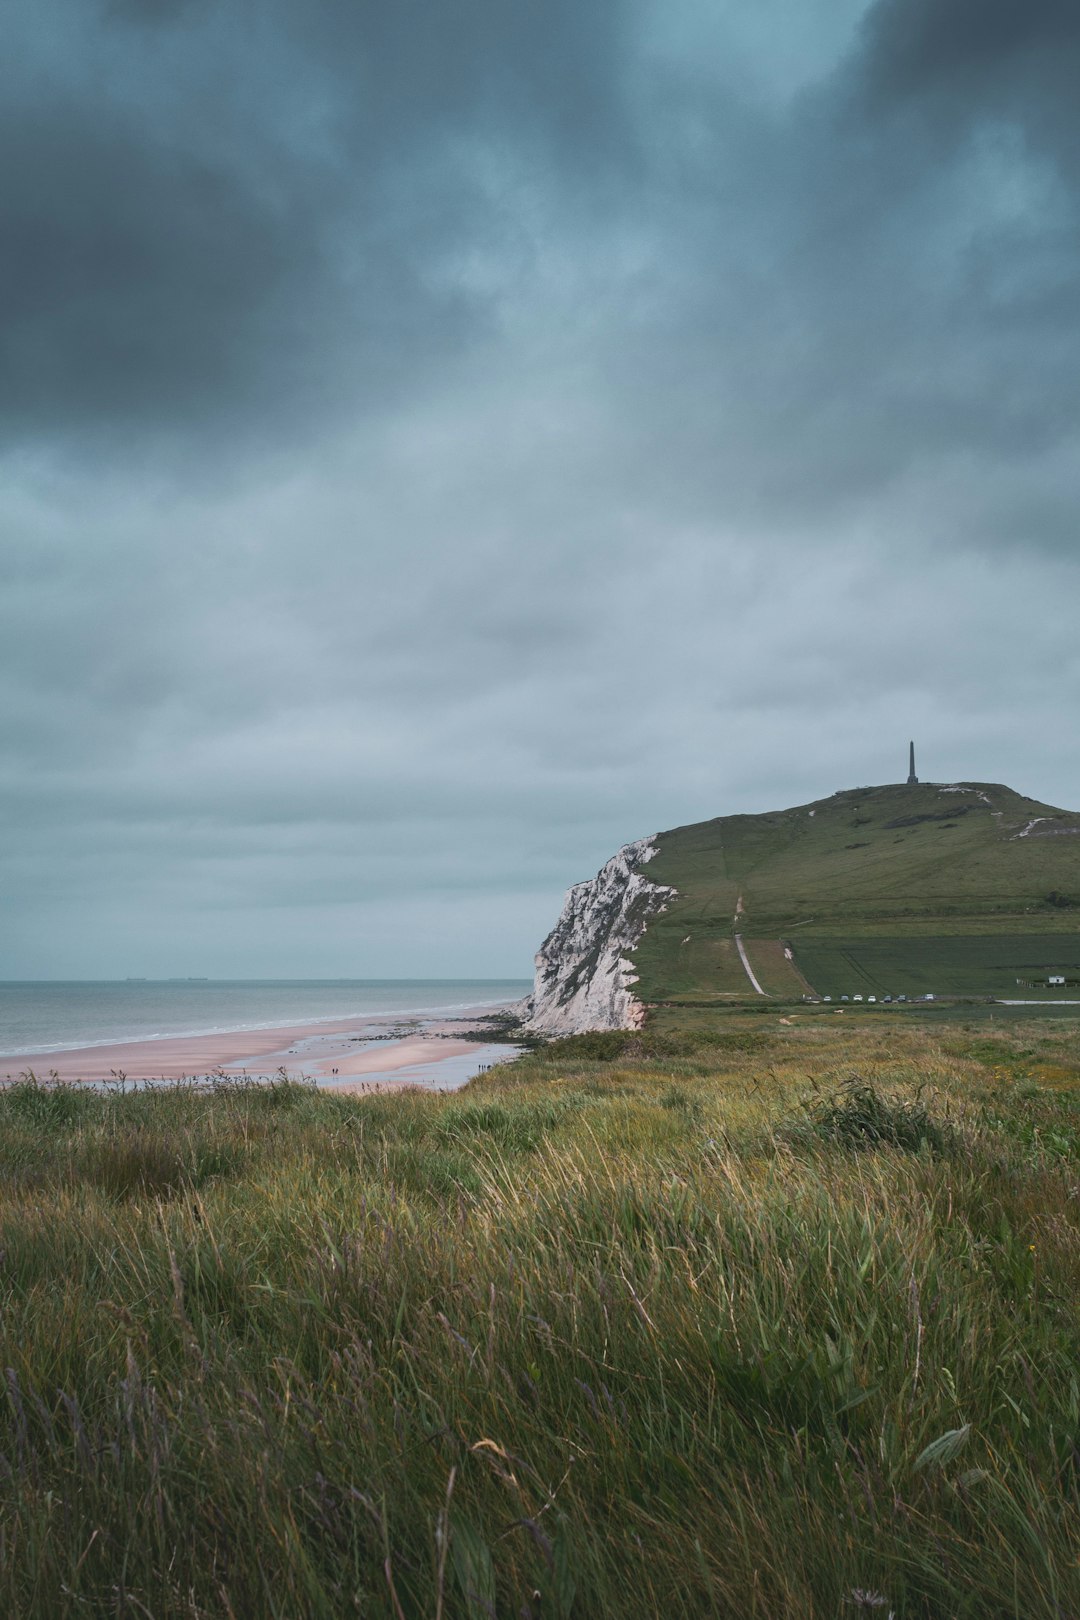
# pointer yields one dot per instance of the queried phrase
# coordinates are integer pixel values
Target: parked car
(856, 998)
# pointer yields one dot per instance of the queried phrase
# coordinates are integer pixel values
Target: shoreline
(282, 1026)
(372, 1049)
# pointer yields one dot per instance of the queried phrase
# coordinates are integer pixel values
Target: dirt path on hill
(746, 964)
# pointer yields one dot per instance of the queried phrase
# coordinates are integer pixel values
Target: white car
(856, 998)
(871, 998)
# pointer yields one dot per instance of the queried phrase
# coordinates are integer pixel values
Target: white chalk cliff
(583, 978)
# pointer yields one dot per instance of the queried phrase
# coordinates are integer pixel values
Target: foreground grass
(690, 1326)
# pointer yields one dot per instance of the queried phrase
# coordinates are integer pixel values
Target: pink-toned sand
(404, 1054)
(318, 1051)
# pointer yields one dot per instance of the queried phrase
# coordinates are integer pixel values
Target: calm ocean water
(54, 1016)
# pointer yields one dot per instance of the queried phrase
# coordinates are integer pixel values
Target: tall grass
(719, 1331)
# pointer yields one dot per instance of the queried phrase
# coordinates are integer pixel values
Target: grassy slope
(840, 869)
(596, 1338)
(774, 970)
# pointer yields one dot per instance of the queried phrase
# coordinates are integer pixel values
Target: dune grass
(766, 1323)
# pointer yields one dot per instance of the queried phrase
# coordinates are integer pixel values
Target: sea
(53, 1015)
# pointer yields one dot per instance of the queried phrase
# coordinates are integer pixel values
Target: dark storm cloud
(973, 56)
(249, 218)
(890, 280)
(139, 284)
(876, 272)
(441, 443)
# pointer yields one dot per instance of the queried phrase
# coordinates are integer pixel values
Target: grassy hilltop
(779, 1322)
(898, 889)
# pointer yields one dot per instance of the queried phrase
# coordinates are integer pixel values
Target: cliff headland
(913, 890)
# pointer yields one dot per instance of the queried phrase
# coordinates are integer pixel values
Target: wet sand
(369, 1051)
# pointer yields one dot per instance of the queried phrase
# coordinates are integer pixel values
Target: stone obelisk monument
(912, 778)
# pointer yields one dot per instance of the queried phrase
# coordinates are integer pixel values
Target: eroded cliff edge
(583, 978)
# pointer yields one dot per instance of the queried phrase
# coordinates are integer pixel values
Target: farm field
(979, 965)
(773, 1320)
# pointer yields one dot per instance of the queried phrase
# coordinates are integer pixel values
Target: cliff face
(582, 976)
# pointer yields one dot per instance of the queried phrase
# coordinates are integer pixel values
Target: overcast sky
(440, 442)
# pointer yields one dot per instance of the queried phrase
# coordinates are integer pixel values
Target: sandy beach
(351, 1054)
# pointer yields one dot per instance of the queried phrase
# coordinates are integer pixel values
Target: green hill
(958, 889)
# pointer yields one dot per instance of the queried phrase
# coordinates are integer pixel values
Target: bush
(282, 1093)
(48, 1107)
(516, 1130)
(679, 1100)
(138, 1166)
(597, 1046)
(857, 1115)
(143, 1165)
(607, 1045)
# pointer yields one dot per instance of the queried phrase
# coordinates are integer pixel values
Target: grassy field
(702, 965)
(777, 1320)
(895, 863)
(976, 966)
(776, 973)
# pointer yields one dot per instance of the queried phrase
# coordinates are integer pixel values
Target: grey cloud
(148, 11)
(442, 445)
(278, 237)
(884, 282)
(148, 290)
(961, 49)
(137, 279)
(551, 71)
